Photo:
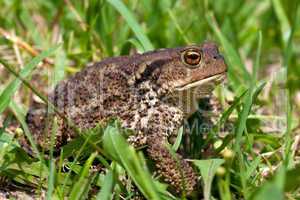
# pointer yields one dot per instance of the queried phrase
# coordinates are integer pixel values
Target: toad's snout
(213, 54)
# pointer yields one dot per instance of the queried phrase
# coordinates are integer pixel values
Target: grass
(250, 152)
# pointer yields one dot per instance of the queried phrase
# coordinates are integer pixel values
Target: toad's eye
(192, 57)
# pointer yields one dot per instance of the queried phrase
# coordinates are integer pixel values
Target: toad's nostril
(218, 56)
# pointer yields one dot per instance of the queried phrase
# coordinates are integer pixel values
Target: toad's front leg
(157, 125)
(174, 169)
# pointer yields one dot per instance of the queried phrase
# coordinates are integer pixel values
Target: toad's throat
(215, 80)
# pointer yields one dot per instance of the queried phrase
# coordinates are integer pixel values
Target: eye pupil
(192, 57)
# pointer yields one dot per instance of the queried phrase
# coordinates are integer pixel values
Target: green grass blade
(132, 22)
(289, 117)
(253, 166)
(178, 27)
(51, 179)
(292, 182)
(79, 188)
(106, 189)
(59, 66)
(257, 59)
(272, 189)
(76, 158)
(19, 113)
(116, 145)
(6, 121)
(208, 169)
(283, 20)
(8, 92)
(224, 118)
(241, 126)
(177, 142)
(52, 171)
(235, 64)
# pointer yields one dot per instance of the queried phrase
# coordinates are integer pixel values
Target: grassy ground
(253, 147)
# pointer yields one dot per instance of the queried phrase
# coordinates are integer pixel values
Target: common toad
(151, 93)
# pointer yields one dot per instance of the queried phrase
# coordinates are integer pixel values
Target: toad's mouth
(213, 80)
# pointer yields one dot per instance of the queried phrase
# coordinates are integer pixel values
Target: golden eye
(192, 57)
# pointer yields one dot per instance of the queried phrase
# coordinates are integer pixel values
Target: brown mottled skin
(151, 93)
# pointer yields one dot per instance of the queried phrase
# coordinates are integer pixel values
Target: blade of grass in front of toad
(271, 189)
(21, 118)
(8, 92)
(52, 171)
(121, 152)
(132, 22)
(78, 146)
(287, 60)
(80, 188)
(107, 187)
(177, 142)
(226, 114)
(241, 125)
(208, 169)
(224, 117)
(5, 124)
(67, 178)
